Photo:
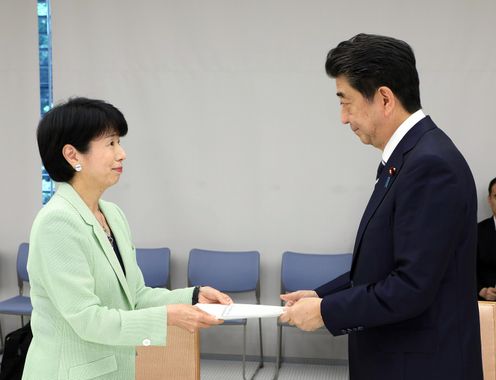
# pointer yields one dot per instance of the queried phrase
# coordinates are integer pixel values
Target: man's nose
(344, 117)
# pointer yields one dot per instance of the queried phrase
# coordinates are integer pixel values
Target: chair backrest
(228, 271)
(155, 266)
(309, 270)
(22, 265)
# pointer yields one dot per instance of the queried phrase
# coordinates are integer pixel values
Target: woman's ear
(71, 155)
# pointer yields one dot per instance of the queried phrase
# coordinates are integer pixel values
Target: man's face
(492, 199)
(362, 115)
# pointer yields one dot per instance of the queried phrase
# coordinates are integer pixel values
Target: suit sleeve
(149, 297)
(339, 283)
(426, 222)
(62, 262)
(480, 284)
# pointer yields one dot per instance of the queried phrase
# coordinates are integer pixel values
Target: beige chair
(487, 312)
(179, 359)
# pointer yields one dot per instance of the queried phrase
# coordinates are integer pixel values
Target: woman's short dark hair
(370, 61)
(75, 122)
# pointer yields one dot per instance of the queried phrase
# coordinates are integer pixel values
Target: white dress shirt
(402, 130)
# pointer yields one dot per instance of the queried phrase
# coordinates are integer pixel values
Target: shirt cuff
(196, 293)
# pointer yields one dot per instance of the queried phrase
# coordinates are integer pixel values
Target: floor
(230, 370)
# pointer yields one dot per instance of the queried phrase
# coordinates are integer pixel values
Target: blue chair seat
(18, 305)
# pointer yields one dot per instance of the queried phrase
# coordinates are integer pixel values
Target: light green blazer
(87, 315)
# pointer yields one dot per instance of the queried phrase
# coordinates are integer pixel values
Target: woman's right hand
(190, 317)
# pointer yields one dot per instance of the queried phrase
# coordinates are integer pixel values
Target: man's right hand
(291, 298)
(489, 293)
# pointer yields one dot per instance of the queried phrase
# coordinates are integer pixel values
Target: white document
(240, 310)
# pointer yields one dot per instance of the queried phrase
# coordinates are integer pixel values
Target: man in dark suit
(486, 250)
(409, 302)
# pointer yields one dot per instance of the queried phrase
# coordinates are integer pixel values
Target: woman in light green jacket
(90, 304)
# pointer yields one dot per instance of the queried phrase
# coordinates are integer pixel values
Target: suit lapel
(115, 224)
(110, 253)
(389, 175)
(67, 192)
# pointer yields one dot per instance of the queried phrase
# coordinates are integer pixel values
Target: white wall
(235, 140)
(20, 188)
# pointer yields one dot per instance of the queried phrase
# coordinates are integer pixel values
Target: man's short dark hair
(370, 61)
(76, 122)
(491, 184)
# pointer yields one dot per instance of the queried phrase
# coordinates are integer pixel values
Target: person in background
(90, 304)
(409, 302)
(486, 250)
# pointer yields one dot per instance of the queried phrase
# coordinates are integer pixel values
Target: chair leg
(261, 344)
(244, 351)
(1, 340)
(261, 362)
(279, 351)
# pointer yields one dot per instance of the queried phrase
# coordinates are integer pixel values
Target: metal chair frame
(236, 322)
(313, 281)
(22, 277)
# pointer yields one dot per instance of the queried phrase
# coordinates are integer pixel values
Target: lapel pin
(392, 172)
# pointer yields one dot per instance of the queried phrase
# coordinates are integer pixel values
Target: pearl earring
(78, 167)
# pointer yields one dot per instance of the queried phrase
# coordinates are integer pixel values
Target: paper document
(240, 310)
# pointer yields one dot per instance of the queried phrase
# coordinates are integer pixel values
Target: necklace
(109, 234)
(105, 229)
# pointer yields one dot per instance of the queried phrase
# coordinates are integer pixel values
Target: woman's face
(102, 164)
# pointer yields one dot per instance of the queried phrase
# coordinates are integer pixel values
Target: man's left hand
(304, 314)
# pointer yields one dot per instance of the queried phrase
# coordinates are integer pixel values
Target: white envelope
(240, 310)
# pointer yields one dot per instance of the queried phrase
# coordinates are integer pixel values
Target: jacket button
(147, 342)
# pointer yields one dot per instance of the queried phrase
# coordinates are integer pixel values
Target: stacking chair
(18, 305)
(230, 272)
(306, 271)
(155, 266)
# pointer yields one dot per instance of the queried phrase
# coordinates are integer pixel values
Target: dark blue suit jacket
(486, 254)
(409, 302)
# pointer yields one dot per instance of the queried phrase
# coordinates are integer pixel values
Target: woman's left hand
(211, 295)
